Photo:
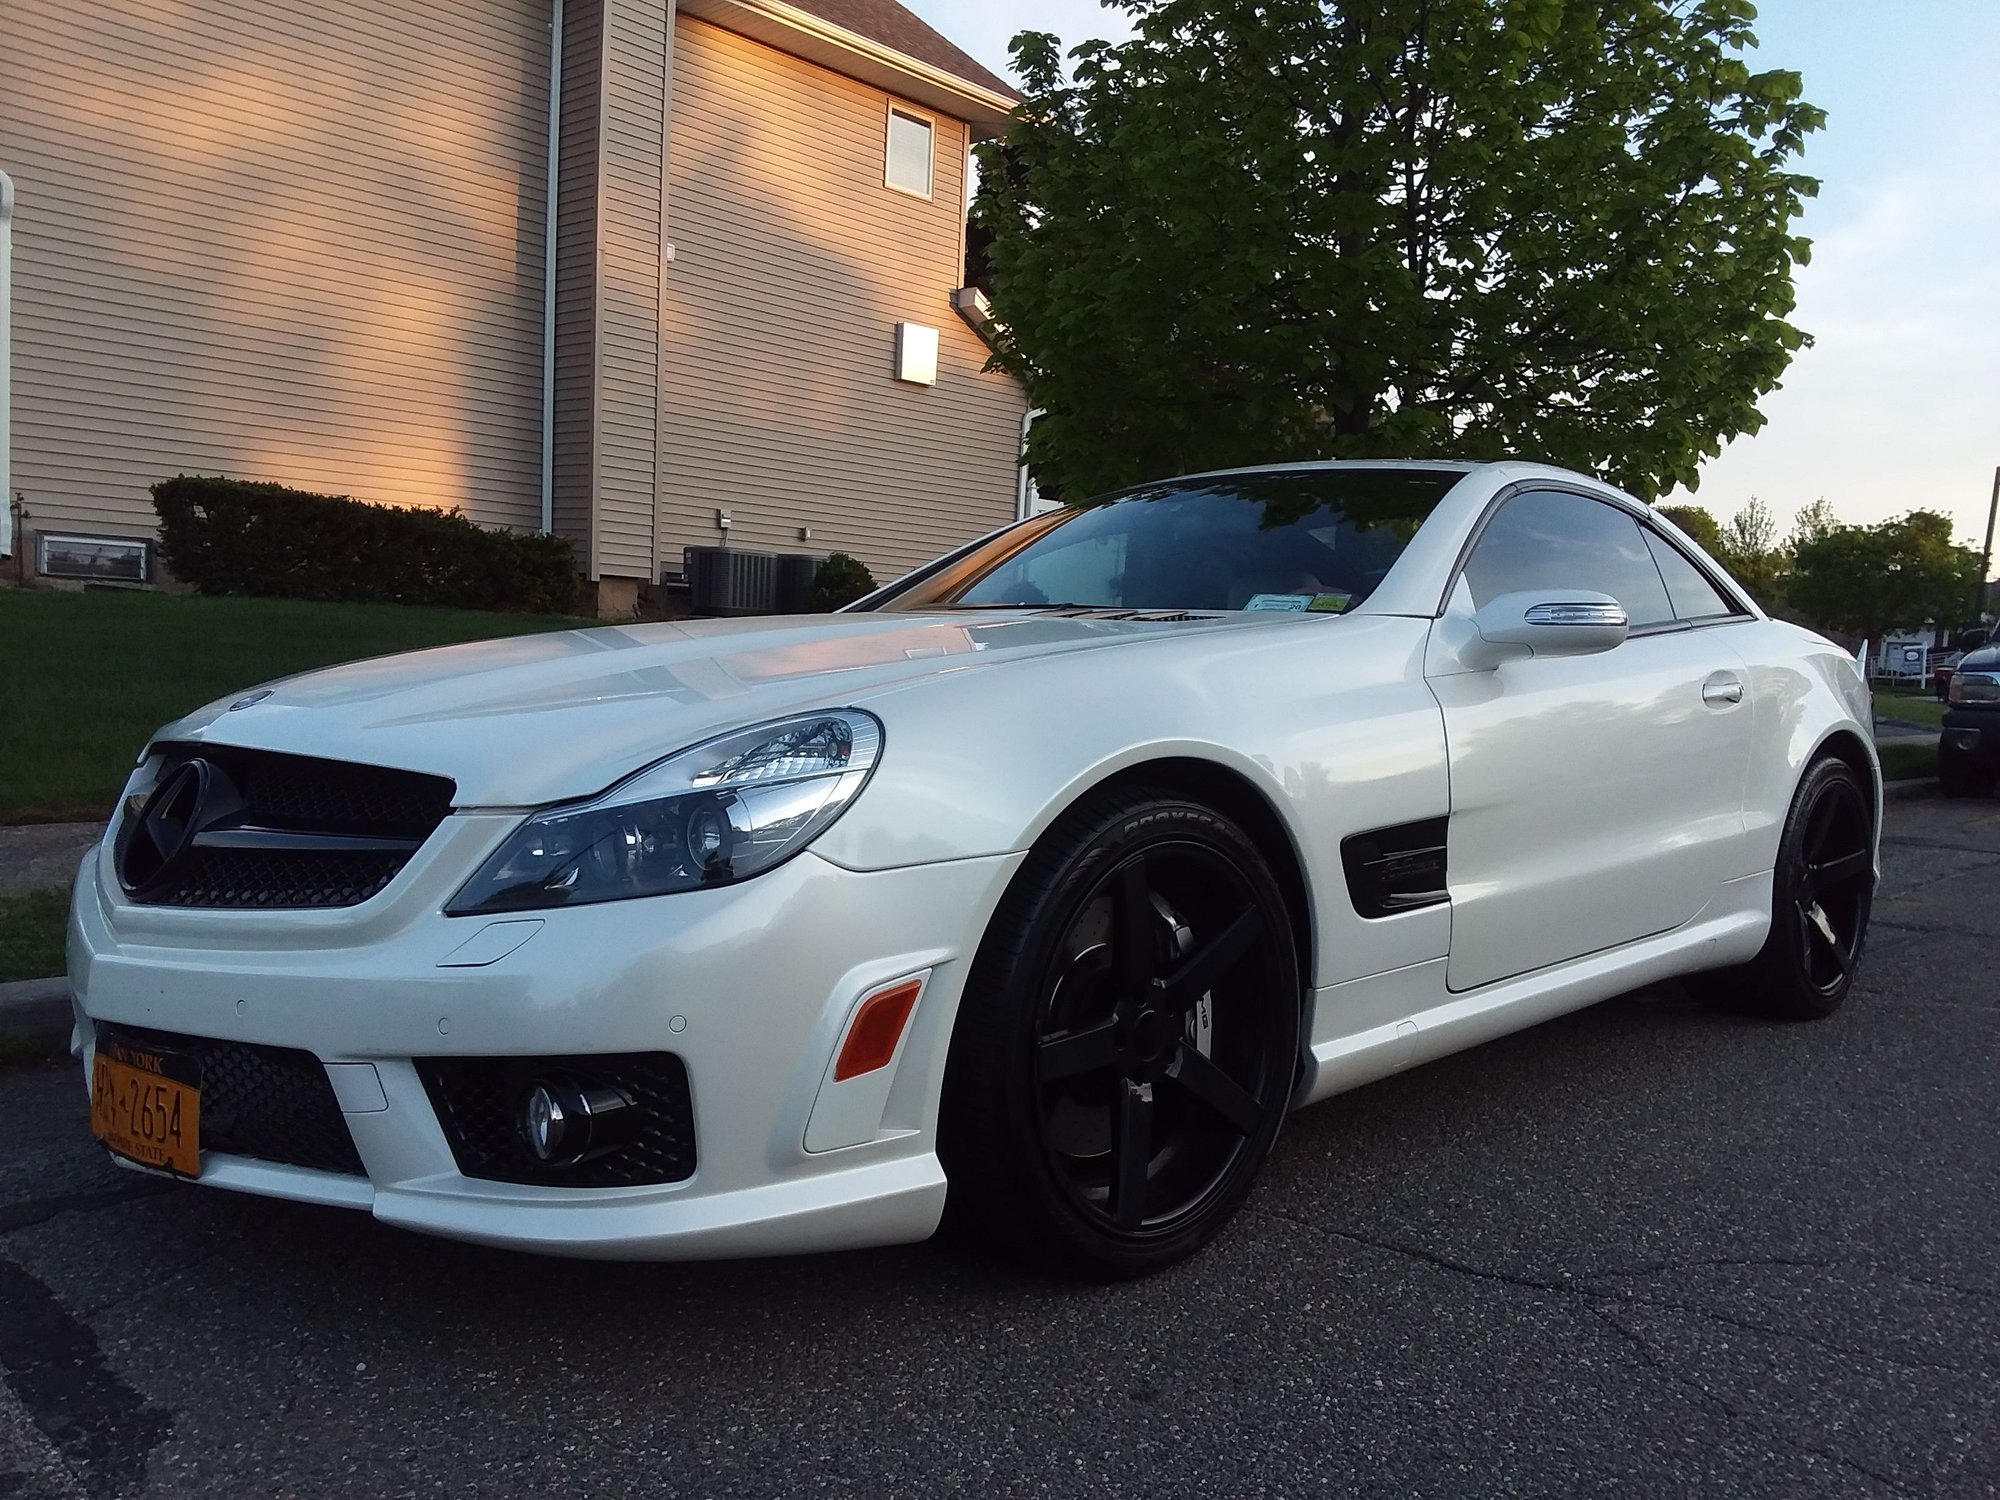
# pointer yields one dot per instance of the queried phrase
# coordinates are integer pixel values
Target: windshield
(1295, 539)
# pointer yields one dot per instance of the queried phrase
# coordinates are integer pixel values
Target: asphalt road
(1652, 1246)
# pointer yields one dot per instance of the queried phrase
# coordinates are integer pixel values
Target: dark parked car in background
(1969, 750)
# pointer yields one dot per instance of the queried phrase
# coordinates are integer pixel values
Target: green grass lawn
(1907, 760)
(85, 678)
(31, 932)
(1913, 708)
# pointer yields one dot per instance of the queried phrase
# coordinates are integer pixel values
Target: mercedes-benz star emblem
(168, 822)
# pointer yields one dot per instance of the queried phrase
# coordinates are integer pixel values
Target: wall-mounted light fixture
(916, 354)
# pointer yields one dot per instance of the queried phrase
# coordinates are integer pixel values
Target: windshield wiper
(1026, 606)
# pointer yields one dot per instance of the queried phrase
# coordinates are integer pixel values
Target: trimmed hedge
(841, 579)
(236, 536)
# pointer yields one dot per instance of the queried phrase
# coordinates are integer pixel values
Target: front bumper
(1971, 734)
(752, 986)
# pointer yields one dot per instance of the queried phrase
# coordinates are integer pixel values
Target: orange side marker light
(878, 1027)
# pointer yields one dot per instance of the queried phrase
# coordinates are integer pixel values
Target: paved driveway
(38, 854)
(1651, 1245)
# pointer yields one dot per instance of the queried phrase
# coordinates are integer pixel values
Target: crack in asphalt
(1586, 1292)
(1903, 893)
(1730, 1321)
(1723, 1263)
(1659, 1361)
(1816, 1263)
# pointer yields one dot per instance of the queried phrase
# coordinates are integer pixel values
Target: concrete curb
(35, 1018)
(1911, 787)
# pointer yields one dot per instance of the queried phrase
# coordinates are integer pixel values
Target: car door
(1595, 799)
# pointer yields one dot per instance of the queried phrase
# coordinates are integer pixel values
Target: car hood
(547, 718)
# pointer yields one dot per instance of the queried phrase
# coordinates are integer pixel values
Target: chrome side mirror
(1544, 622)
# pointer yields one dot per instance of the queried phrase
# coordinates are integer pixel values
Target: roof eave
(804, 35)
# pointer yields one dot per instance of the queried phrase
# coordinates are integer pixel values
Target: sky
(1897, 404)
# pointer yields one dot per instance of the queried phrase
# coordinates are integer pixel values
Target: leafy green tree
(1276, 229)
(1695, 520)
(1812, 523)
(1744, 547)
(1866, 581)
(1750, 549)
(1752, 531)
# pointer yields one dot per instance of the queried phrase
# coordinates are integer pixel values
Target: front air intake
(480, 1103)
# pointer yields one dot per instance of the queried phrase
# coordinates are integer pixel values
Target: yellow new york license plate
(146, 1105)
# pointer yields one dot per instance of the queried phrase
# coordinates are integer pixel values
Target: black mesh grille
(272, 1103)
(274, 878)
(298, 794)
(303, 793)
(477, 1099)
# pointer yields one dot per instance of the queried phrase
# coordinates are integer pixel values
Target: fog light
(543, 1123)
(563, 1123)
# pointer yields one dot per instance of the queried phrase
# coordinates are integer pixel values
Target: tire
(1823, 887)
(1129, 1041)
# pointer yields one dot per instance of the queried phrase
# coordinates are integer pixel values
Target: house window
(909, 169)
(110, 559)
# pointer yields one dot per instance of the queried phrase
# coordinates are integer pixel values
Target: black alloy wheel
(1129, 1041)
(1823, 890)
(1832, 885)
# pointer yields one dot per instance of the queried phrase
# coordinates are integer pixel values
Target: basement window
(99, 559)
(910, 139)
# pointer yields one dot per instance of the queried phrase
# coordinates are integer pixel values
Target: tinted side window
(1693, 596)
(1549, 540)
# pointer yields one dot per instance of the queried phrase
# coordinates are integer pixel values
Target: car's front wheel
(1128, 1042)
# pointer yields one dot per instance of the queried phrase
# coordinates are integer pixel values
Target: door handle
(1723, 688)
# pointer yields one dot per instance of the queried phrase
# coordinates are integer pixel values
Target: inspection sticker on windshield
(1330, 604)
(1280, 601)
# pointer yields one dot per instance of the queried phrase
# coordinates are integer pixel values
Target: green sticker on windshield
(1330, 604)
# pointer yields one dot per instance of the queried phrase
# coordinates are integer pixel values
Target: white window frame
(929, 122)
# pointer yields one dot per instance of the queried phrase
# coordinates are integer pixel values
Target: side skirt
(1368, 1028)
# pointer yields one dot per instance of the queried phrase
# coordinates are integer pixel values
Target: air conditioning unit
(731, 581)
(796, 571)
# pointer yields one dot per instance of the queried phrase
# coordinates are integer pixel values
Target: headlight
(713, 815)
(1973, 687)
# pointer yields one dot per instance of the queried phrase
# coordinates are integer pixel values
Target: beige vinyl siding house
(308, 243)
(794, 261)
(295, 242)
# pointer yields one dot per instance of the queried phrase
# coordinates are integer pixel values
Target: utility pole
(1986, 554)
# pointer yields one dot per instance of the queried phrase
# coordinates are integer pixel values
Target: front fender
(1333, 727)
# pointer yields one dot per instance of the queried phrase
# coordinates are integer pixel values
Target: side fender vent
(1397, 869)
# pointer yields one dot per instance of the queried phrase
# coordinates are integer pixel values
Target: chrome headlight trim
(717, 813)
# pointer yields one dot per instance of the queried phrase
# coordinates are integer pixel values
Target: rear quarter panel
(1805, 690)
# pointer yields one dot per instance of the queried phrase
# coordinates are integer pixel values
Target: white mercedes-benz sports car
(1045, 880)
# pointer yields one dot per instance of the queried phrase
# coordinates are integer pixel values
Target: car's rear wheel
(1823, 888)
(1128, 1042)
